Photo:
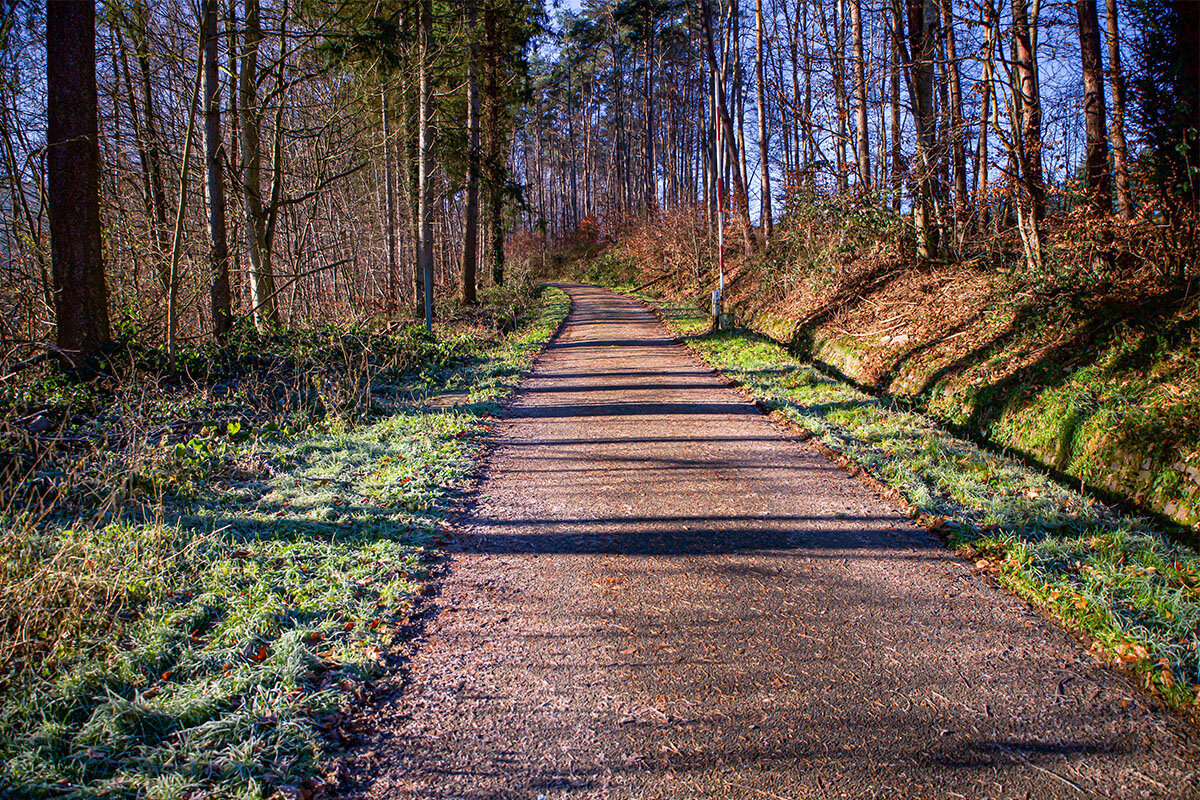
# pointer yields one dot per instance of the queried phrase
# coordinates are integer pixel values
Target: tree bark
(265, 308)
(389, 199)
(424, 167)
(218, 259)
(958, 128)
(722, 119)
(894, 102)
(1093, 106)
(765, 221)
(862, 146)
(153, 156)
(982, 200)
(1116, 123)
(1026, 85)
(470, 256)
(838, 64)
(922, 20)
(73, 157)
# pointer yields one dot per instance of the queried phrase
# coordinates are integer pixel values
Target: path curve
(662, 594)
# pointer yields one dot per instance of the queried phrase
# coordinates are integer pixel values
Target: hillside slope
(1096, 380)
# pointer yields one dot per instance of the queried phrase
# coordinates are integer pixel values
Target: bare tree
(958, 128)
(763, 158)
(424, 164)
(1116, 125)
(1093, 106)
(470, 256)
(218, 259)
(1029, 105)
(258, 238)
(861, 144)
(922, 24)
(80, 294)
(152, 144)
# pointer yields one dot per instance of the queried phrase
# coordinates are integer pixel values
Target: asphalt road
(660, 593)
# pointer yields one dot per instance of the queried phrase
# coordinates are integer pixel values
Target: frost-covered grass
(1130, 589)
(244, 605)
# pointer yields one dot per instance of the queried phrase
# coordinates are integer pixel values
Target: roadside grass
(195, 642)
(1126, 587)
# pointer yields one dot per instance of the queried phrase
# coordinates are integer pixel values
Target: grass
(1133, 593)
(226, 618)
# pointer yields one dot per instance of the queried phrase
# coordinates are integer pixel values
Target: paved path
(664, 595)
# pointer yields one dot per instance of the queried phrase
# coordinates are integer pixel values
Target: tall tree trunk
(739, 94)
(726, 125)
(764, 164)
(262, 279)
(218, 259)
(139, 132)
(1025, 69)
(389, 200)
(841, 103)
(651, 174)
(470, 256)
(237, 286)
(1093, 106)
(958, 128)
(180, 207)
(922, 22)
(496, 173)
(153, 155)
(862, 146)
(1116, 124)
(894, 102)
(73, 166)
(424, 165)
(982, 200)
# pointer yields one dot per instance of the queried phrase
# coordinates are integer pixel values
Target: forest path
(660, 593)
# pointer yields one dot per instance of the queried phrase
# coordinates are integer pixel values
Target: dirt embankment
(1100, 384)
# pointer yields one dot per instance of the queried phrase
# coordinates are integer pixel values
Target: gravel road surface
(661, 594)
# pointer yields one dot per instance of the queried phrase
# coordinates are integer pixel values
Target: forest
(279, 163)
(272, 270)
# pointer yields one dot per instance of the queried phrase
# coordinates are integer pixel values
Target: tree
(958, 128)
(1168, 95)
(922, 23)
(1093, 106)
(470, 257)
(80, 294)
(389, 196)
(259, 219)
(862, 147)
(152, 145)
(424, 156)
(219, 294)
(1116, 125)
(1027, 96)
(724, 124)
(764, 161)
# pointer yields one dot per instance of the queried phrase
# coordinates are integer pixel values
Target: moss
(1113, 578)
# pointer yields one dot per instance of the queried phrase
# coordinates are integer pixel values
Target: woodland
(249, 247)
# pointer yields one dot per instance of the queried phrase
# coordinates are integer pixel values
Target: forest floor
(200, 567)
(660, 591)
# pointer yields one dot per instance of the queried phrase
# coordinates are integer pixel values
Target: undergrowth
(194, 640)
(1135, 594)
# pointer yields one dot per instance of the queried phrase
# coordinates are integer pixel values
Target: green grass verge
(254, 603)
(1134, 593)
